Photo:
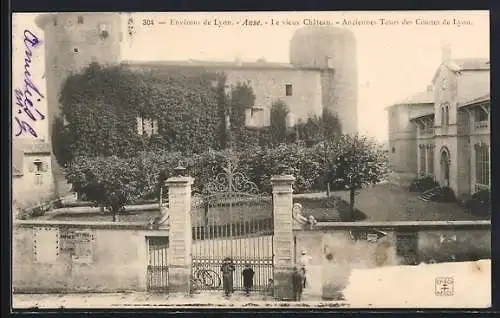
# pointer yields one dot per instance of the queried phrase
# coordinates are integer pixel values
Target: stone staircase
(429, 194)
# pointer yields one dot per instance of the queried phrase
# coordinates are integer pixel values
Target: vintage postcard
(251, 159)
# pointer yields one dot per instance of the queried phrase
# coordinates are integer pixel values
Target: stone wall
(335, 252)
(116, 258)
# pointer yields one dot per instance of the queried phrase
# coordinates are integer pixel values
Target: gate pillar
(283, 236)
(180, 236)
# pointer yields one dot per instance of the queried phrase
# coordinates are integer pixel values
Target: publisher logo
(444, 286)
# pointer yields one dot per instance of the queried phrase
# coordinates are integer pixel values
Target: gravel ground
(386, 202)
(141, 300)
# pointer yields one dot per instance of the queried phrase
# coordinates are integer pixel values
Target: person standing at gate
(298, 283)
(304, 261)
(227, 270)
(248, 274)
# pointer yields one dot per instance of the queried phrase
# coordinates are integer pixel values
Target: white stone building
(446, 133)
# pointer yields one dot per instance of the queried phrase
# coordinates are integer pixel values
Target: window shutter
(155, 126)
(139, 125)
(146, 123)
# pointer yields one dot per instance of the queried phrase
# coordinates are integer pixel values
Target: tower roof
(426, 97)
(43, 18)
(215, 64)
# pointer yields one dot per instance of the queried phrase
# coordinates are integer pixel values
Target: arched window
(482, 165)
(422, 159)
(445, 114)
(430, 159)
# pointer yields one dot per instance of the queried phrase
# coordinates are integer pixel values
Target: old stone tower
(72, 41)
(322, 70)
(333, 50)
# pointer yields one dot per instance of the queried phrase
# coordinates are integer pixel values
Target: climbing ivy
(101, 106)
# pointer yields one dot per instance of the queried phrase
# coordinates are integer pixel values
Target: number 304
(147, 22)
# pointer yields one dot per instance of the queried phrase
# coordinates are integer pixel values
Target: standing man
(227, 270)
(304, 262)
(248, 274)
(298, 283)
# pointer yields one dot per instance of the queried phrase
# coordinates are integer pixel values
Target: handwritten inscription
(29, 93)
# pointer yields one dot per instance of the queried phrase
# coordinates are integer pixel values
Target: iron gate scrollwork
(231, 219)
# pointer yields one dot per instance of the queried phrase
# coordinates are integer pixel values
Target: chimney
(445, 53)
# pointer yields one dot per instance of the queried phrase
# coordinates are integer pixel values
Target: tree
(113, 182)
(279, 113)
(242, 98)
(331, 124)
(310, 130)
(222, 111)
(355, 161)
(316, 128)
(61, 141)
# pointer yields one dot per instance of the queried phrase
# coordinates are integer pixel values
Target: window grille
(482, 165)
(422, 160)
(430, 159)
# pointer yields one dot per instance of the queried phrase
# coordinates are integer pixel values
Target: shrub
(303, 163)
(113, 182)
(26, 213)
(423, 184)
(445, 194)
(480, 203)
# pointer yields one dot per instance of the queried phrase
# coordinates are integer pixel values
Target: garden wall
(64, 256)
(338, 248)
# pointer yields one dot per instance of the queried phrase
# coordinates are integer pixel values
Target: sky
(395, 60)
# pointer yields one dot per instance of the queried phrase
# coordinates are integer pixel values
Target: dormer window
(40, 168)
(147, 126)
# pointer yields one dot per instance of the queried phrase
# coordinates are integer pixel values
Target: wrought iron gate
(232, 221)
(157, 265)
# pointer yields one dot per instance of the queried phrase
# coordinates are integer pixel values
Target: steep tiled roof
(31, 146)
(427, 113)
(426, 97)
(472, 64)
(212, 64)
(476, 100)
(465, 64)
(17, 162)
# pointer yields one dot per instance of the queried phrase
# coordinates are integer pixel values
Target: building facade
(451, 136)
(323, 75)
(32, 181)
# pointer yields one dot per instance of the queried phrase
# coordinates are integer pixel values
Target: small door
(157, 271)
(407, 247)
(445, 168)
